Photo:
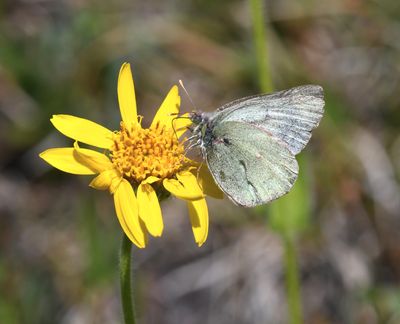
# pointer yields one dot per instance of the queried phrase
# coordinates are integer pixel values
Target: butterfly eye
(196, 118)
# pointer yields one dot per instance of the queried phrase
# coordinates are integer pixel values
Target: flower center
(139, 153)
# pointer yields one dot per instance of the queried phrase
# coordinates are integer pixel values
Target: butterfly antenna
(187, 93)
(177, 115)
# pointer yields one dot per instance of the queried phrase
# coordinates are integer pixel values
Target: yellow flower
(138, 166)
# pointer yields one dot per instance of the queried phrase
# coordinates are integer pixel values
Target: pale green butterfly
(250, 144)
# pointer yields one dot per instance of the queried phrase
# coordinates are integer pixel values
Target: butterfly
(250, 144)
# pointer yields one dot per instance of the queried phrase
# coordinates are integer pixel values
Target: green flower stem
(292, 282)
(260, 43)
(125, 273)
(266, 85)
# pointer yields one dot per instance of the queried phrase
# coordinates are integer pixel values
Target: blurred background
(59, 239)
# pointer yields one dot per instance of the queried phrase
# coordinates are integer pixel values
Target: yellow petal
(115, 184)
(150, 179)
(181, 124)
(128, 215)
(83, 130)
(208, 185)
(198, 213)
(108, 179)
(65, 159)
(186, 187)
(126, 95)
(94, 160)
(149, 209)
(168, 109)
(189, 181)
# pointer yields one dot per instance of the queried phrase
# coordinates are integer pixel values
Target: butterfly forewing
(288, 116)
(249, 165)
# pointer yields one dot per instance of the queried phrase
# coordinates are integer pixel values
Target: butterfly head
(199, 118)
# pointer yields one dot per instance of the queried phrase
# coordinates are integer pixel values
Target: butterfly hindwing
(249, 165)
